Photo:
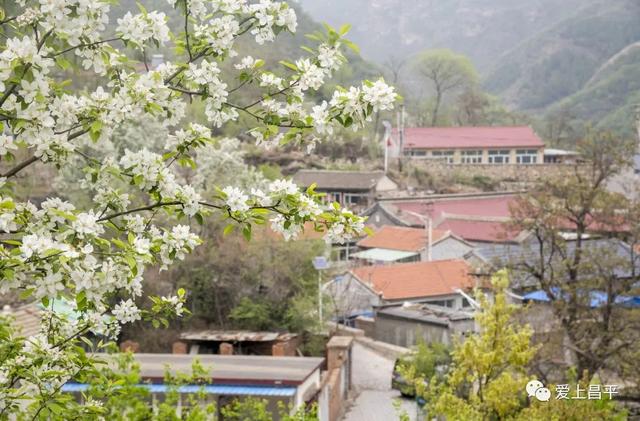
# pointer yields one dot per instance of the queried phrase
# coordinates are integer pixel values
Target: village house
(443, 282)
(291, 381)
(352, 189)
(392, 244)
(472, 145)
(408, 324)
(283, 382)
(478, 218)
(517, 256)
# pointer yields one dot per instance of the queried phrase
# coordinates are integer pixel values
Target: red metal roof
(475, 230)
(416, 280)
(490, 206)
(470, 137)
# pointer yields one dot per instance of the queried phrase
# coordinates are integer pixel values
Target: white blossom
(126, 311)
(236, 199)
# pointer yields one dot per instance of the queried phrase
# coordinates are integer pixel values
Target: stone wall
(508, 172)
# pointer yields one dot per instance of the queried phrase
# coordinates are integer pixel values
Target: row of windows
(474, 156)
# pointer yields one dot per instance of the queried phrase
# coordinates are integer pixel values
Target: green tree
(447, 73)
(489, 372)
(488, 375)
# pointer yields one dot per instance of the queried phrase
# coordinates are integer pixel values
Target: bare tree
(586, 281)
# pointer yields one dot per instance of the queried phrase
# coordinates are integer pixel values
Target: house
(473, 145)
(291, 381)
(237, 342)
(476, 218)
(441, 282)
(408, 324)
(515, 256)
(392, 244)
(352, 189)
(287, 382)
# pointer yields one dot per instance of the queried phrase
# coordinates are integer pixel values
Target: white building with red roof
(472, 145)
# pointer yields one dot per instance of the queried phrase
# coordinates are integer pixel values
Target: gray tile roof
(513, 256)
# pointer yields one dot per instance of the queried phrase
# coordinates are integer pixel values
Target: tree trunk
(436, 108)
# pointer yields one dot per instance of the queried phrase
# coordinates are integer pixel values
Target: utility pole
(387, 141)
(401, 137)
(320, 263)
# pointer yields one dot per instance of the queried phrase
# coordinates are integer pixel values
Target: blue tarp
(208, 389)
(597, 298)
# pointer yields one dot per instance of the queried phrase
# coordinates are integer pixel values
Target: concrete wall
(367, 325)
(449, 248)
(406, 332)
(350, 296)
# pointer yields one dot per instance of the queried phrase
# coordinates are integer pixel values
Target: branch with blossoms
(94, 258)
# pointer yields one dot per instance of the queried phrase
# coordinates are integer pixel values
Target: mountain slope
(481, 29)
(559, 61)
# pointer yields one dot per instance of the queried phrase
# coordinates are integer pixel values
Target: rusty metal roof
(235, 336)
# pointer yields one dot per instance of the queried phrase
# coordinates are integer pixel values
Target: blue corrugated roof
(209, 389)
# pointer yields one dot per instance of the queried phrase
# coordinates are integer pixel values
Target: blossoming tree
(94, 258)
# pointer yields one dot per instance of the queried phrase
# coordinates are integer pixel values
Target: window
(445, 156)
(526, 156)
(441, 303)
(499, 156)
(472, 157)
(413, 152)
(351, 199)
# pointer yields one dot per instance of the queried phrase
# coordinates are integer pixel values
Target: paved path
(372, 383)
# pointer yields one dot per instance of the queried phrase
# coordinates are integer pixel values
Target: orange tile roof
(401, 238)
(416, 280)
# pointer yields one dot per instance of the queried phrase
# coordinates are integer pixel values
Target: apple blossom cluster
(93, 257)
(139, 29)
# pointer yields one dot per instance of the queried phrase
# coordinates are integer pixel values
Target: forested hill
(536, 55)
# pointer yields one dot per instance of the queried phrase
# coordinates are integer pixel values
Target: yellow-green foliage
(488, 374)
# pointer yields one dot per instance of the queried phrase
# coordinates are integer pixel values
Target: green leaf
(352, 46)
(228, 229)
(26, 293)
(344, 29)
(63, 63)
(246, 232)
(289, 65)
